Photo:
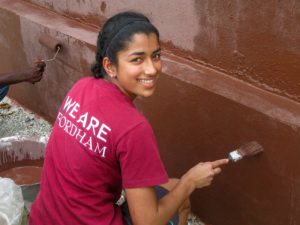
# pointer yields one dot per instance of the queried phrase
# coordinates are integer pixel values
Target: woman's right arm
(144, 207)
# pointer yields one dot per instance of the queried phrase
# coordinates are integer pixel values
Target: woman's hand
(146, 209)
(202, 174)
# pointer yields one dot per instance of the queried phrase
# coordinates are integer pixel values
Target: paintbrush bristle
(249, 149)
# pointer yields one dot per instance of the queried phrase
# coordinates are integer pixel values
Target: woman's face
(139, 66)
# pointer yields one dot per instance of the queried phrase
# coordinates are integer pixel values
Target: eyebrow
(142, 53)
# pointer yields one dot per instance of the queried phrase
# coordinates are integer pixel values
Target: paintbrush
(249, 149)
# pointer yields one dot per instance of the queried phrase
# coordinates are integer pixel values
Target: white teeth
(146, 81)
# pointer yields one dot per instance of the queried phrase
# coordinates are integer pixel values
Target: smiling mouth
(147, 82)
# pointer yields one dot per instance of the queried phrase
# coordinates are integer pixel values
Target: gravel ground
(15, 120)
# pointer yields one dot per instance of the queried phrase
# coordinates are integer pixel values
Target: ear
(110, 68)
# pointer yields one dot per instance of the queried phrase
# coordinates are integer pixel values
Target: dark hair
(115, 35)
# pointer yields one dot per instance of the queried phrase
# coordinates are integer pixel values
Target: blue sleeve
(3, 91)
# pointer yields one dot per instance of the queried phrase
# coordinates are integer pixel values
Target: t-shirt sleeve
(139, 158)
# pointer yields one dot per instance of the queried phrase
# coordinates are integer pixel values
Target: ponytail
(97, 68)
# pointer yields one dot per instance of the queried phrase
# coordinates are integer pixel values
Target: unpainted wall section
(255, 41)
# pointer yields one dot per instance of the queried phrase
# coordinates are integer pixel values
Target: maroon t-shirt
(99, 144)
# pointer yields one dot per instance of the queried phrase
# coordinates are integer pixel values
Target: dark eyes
(138, 59)
(155, 57)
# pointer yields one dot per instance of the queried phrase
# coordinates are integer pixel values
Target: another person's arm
(32, 75)
(144, 207)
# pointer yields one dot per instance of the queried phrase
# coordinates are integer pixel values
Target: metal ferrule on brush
(234, 156)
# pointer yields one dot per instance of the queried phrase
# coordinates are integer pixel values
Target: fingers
(212, 172)
(219, 162)
(213, 168)
(216, 171)
(37, 61)
(40, 64)
(35, 73)
(203, 173)
(216, 165)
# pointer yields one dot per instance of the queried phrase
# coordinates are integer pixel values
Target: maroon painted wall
(255, 41)
(230, 76)
(195, 125)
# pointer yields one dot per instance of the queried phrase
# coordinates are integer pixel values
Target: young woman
(101, 144)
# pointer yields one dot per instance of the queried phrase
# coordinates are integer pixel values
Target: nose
(150, 67)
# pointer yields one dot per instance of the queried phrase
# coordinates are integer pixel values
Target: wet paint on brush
(249, 149)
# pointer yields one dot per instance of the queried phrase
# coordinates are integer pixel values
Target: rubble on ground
(15, 120)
